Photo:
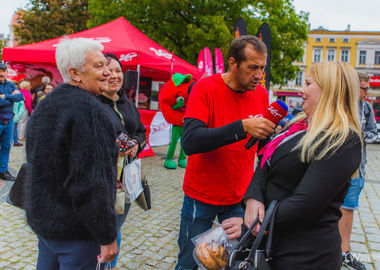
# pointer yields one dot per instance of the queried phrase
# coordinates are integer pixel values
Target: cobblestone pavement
(150, 238)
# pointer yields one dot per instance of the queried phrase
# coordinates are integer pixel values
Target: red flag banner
(201, 62)
(219, 62)
(209, 67)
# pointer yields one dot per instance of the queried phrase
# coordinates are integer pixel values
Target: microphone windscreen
(276, 111)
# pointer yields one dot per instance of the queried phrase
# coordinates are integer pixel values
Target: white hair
(45, 79)
(73, 53)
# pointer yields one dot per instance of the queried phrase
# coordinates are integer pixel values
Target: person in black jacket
(308, 168)
(72, 154)
(129, 116)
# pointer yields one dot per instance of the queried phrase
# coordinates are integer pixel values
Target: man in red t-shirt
(222, 109)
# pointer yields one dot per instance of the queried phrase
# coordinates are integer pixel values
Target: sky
(361, 15)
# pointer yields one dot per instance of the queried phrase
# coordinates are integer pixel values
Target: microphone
(275, 113)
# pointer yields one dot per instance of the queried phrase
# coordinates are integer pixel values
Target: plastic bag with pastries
(212, 248)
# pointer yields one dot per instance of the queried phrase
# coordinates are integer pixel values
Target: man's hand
(232, 226)
(259, 128)
(15, 92)
(109, 252)
(253, 209)
(2, 96)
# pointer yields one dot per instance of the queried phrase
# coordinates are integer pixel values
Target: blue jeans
(67, 255)
(15, 134)
(6, 136)
(120, 219)
(351, 202)
(196, 218)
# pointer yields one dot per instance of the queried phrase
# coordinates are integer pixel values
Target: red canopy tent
(135, 51)
(120, 37)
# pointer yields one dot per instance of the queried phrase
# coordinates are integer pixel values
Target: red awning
(119, 37)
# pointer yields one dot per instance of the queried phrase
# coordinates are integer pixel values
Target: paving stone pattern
(150, 238)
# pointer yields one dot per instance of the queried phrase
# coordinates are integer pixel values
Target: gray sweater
(369, 131)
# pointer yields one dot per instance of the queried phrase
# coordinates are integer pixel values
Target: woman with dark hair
(46, 89)
(128, 114)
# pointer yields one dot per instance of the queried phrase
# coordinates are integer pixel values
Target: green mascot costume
(173, 100)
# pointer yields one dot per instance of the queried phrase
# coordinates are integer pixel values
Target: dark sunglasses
(365, 88)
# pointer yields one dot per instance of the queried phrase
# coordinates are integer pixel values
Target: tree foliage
(46, 19)
(187, 26)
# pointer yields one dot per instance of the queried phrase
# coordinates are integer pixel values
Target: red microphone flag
(276, 112)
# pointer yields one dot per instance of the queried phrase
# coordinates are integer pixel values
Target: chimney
(348, 27)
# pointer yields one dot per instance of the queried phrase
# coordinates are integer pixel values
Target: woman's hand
(253, 209)
(132, 152)
(232, 226)
(121, 153)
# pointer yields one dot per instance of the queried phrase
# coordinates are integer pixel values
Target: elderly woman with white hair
(72, 154)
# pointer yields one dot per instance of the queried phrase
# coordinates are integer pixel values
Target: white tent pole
(138, 86)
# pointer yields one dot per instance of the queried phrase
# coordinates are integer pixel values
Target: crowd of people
(313, 164)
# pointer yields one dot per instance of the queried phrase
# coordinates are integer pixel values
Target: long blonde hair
(335, 114)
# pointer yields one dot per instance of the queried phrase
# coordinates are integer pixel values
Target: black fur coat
(72, 154)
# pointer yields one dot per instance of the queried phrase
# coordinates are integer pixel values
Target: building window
(362, 57)
(377, 58)
(346, 40)
(299, 78)
(318, 39)
(317, 55)
(332, 40)
(344, 55)
(330, 55)
(301, 58)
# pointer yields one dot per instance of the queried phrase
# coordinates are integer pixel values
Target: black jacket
(72, 153)
(306, 234)
(131, 116)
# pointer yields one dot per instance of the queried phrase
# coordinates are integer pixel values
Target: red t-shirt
(221, 176)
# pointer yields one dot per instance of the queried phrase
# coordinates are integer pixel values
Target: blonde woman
(308, 168)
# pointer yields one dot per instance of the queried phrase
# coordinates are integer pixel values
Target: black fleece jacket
(72, 155)
(131, 116)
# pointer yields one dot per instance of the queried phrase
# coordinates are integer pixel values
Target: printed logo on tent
(98, 39)
(127, 57)
(19, 67)
(11, 72)
(160, 52)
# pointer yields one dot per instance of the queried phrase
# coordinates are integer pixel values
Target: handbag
(132, 180)
(143, 200)
(255, 259)
(16, 193)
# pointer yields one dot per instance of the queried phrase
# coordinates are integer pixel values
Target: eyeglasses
(365, 88)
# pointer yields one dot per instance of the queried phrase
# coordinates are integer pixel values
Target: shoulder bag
(255, 259)
(136, 185)
(16, 193)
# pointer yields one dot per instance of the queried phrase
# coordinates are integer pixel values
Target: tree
(186, 26)
(46, 19)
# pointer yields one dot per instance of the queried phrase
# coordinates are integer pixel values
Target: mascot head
(173, 98)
